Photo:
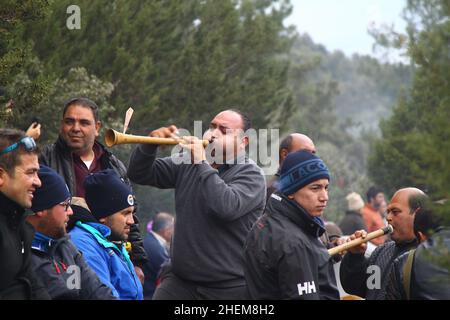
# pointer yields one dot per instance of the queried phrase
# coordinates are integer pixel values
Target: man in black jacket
(423, 273)
(368, 277)
(76, 153)
(284, 257)
(18, 180)
(56, 260)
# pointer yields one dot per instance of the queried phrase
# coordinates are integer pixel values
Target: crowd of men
(69, 222)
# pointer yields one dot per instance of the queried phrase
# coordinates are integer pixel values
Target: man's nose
(76, 126)
(36, 181)
(323, 196)
(389, 217)
(130, 220)
(69, 211)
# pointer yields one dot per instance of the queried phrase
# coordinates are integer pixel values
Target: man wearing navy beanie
(55, 258)
(284, 257)
(111, 202)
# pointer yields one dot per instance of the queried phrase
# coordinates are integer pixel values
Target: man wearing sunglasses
(18, 181)
(56, 260)
(76, 154)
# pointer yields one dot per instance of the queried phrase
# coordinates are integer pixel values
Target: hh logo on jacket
(306, 288)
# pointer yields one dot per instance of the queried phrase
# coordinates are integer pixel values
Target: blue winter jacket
(110, 261)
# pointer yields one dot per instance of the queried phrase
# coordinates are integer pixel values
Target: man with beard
(55, 260)
(219, 193)
(101, 239)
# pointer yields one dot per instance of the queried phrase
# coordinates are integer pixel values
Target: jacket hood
(296, 213)
(47, 244)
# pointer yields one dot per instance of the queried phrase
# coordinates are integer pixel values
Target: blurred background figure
(353, 219)
(370, 212)
(157, 246)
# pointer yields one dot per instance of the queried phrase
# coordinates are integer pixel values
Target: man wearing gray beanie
(56, 260)
(111, 202)
(284, 258)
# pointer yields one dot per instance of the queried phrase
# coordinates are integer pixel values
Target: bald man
(368, 277)
(292, 143)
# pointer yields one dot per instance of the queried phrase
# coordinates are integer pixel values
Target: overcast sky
(343, 24)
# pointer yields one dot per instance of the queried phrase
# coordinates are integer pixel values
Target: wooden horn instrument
(358, 241)
(113, 138)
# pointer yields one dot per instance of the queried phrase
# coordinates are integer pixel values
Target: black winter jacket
(65, 273)
(430, 276)
(284, 258)
(58, 157)
(17, 279)
(356, 269)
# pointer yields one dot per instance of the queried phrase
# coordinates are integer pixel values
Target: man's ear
(40, 214)
(283, 154)
(2, 176)
(98, 126)
(422, 236)
(245, 140)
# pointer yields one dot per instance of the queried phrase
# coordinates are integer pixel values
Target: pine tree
(415, 145)
(177, 61)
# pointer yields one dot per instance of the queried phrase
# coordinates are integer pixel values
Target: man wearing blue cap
(111, 203)
(56, 261)
(284, 258)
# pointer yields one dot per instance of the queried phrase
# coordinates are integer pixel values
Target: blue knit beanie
(299, 169)
(53, 190)
(107, 193)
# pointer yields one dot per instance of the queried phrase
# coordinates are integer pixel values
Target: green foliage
(415, 147)
(338, 102)
(176, 61)
(49, 107)
(16, 56)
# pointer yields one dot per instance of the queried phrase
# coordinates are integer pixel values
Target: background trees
(180, 61)
(415, 147)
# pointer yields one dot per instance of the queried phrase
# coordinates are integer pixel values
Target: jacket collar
(241, 158)
(296, 213)
(100, 233)
(46, 244)
(407, 245)
(62, 146)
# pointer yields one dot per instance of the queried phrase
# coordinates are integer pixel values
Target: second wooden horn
(112, 138)
(358, 241)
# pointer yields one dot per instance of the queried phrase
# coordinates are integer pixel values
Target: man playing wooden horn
(367, 277)
(218, 197)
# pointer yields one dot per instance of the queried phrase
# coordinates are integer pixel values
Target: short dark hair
(372, 192)
(286, 143)
(426, 220)
(246, 122)
(10, 160)
(161, 221)
(84, 102)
